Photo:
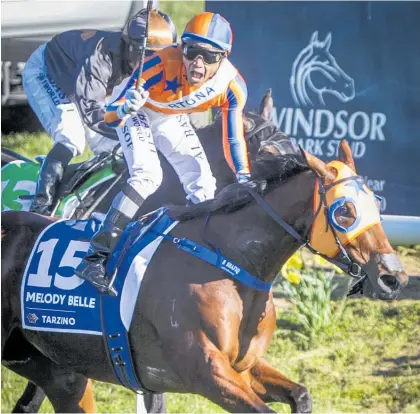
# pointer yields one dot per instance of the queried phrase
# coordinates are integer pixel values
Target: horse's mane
(268, 169)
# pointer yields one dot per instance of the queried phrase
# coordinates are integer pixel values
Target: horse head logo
(316, 69)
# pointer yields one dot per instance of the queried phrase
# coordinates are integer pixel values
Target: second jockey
(191, 77)
(67, 81)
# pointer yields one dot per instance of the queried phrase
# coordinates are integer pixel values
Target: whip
(143, 50)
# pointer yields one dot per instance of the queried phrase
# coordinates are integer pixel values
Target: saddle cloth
(54, 299)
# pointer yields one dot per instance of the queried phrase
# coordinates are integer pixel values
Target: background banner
(339, 70)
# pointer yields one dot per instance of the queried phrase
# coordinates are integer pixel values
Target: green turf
(368, 363)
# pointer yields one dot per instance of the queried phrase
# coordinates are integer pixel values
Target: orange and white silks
(164, 77)
(354, 192)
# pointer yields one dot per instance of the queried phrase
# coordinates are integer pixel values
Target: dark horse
(258, 129)
(195, 329)
(257, 126)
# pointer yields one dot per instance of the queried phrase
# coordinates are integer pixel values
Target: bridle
(346, 262)
(259, 128)
(349, 265)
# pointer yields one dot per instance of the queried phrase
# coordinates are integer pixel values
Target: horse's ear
(318, 166)
(327, 41)
(314, 37)
(248, 124)
(345, 155)
(266, 106)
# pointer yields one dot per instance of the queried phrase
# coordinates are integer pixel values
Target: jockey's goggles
(210, 57)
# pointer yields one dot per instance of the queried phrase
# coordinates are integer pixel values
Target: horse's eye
(344, 216)
(343, 211)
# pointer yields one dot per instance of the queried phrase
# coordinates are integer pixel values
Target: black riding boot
(50, 176)
(92, 267)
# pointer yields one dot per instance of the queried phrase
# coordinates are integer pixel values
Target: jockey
(67, 81)
(177, 80)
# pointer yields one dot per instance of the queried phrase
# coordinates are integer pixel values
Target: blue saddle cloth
(55, 299)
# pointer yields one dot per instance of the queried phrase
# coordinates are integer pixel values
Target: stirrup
(107, 289)
(102, 283)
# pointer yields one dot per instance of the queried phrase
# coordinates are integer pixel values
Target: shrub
(309, 288)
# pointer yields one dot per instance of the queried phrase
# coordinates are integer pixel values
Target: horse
(196, 329)
(258, 129)
(315, 67)
(257, 126)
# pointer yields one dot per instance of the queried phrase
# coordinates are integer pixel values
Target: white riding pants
(148, 131)
(57, 113)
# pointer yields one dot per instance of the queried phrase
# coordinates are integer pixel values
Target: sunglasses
(210, 57)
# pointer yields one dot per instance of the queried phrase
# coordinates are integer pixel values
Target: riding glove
(134, 101)
(243, 177)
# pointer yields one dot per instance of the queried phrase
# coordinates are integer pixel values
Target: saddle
(77, 174)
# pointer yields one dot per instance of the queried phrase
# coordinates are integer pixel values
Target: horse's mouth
(388, 286)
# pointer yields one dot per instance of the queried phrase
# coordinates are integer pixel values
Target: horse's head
(317, 68)
(347, 226)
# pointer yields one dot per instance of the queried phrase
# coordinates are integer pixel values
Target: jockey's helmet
(162, 31)
(210, 28)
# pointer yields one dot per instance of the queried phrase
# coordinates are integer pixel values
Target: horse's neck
(256, 241)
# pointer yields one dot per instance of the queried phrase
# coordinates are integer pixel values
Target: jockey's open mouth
(197, 71)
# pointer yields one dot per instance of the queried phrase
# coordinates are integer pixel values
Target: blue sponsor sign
(339, 70)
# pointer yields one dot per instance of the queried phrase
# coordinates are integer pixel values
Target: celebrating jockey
(67, 81)
(175, 81)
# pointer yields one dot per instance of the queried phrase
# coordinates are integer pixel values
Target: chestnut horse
(258, 129)
(195, 329)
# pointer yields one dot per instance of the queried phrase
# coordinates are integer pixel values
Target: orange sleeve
(234, 144)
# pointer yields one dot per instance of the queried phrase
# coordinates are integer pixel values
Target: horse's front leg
(204, 370)
(272, 386)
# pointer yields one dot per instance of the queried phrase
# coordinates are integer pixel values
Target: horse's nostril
(390, 281)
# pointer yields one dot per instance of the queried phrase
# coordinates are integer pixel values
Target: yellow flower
(295, 261)
(293, 277)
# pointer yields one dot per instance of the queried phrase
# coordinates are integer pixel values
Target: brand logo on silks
(316, 59)
(316, 76)
(54, 299)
